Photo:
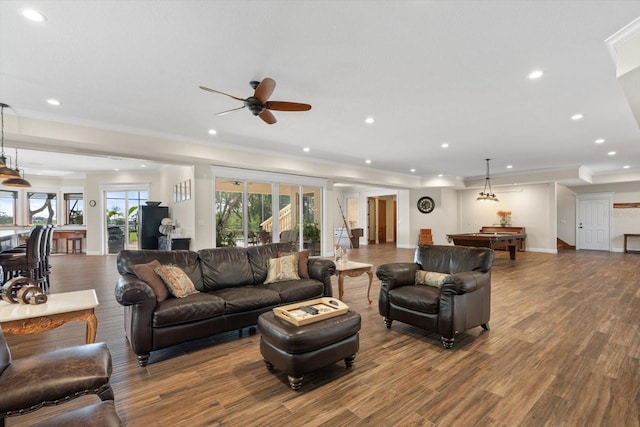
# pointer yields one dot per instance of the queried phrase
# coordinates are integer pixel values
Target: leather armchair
(463, 301)
(54, 377)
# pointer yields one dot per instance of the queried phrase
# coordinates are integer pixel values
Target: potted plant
(505, 217)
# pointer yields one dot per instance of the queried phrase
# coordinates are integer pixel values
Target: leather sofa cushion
(297, 290)
(453, 259)
(259, 258)
(301, 339)
(175, 311)
(225, 267)
(186, 260)
(241, 299)
(423, 299)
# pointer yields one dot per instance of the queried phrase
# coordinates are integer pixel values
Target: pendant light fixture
(5, 172)
(487, 195)
(19, 181)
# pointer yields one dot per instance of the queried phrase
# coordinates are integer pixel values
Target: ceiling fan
(259, 103)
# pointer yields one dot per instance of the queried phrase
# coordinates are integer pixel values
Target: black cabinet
(176, 243)
(150, 219)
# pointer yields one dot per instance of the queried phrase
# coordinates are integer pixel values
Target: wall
(96, 184)
(532, 206)
(625, 220)
(442, 220)
(182, 213)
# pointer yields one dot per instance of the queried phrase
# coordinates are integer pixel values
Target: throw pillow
(430, 278)
(303, 260)
(176, 280)
(147, 273)
(283, 268)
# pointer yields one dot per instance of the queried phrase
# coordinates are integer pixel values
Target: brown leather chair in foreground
(55, 377)
(451, 303)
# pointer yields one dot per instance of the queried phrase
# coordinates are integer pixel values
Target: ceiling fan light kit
(259, 103)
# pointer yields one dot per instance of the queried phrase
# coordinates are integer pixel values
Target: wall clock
(92, 203)
(426, 204)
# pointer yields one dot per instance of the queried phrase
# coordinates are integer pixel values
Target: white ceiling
(429, 72)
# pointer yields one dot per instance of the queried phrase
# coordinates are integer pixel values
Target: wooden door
(593, 224)
(382, 221)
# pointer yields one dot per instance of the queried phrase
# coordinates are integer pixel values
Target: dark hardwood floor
(563, 350)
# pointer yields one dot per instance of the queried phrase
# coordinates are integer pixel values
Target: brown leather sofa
(232, 294)
(55, 377)
(462, 302)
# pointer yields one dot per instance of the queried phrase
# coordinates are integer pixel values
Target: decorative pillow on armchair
(430, 278)
(283, 268)
(176, 280)
(147, 273)
(303, 259)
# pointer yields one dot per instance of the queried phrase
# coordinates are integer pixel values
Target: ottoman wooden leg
(295, 382)
(349, 361)
(270, 366)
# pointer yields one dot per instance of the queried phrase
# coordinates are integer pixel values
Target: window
(8, 207)
(42, 208)
(74, 207)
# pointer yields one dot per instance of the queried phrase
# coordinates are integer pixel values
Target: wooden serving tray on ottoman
(327, 308)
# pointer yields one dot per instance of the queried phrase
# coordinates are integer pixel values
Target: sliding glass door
(122, 219)
(256, 212)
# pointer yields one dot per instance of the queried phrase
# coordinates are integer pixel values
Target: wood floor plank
(563, 350)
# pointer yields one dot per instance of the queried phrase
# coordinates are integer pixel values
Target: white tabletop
(351, 265)
(63, 302)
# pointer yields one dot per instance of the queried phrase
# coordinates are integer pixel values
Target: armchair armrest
(465, 282)
(397, 274)
(55, 377)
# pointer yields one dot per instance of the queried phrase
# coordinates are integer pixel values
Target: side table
(352, 269)
(19, 319)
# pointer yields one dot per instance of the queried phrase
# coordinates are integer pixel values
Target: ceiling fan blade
(221, 93)
(222, 113)
(267, 116)
(265, 89)
(287, 106)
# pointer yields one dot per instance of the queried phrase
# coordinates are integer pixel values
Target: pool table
(489, 240)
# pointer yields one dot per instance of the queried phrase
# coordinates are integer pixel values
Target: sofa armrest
(132, 291)
(465, 282)
(397, 274)
(322, 269)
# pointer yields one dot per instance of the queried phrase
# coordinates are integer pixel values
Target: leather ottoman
(298, 350)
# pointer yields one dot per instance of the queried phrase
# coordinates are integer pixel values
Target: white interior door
(594, 223)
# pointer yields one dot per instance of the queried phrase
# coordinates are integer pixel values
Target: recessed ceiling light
(367, 161)
(509, 166)
(369, 120)
(212, 131)
(626, 167)
(143, 166)
(413, 170)
(52, 101)
(444, 145)
(577, 116)
(440, 175)
(599, 141)
(306, 149)
(611, 153)
(33, 15)
(536, 74)
(116, 169)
